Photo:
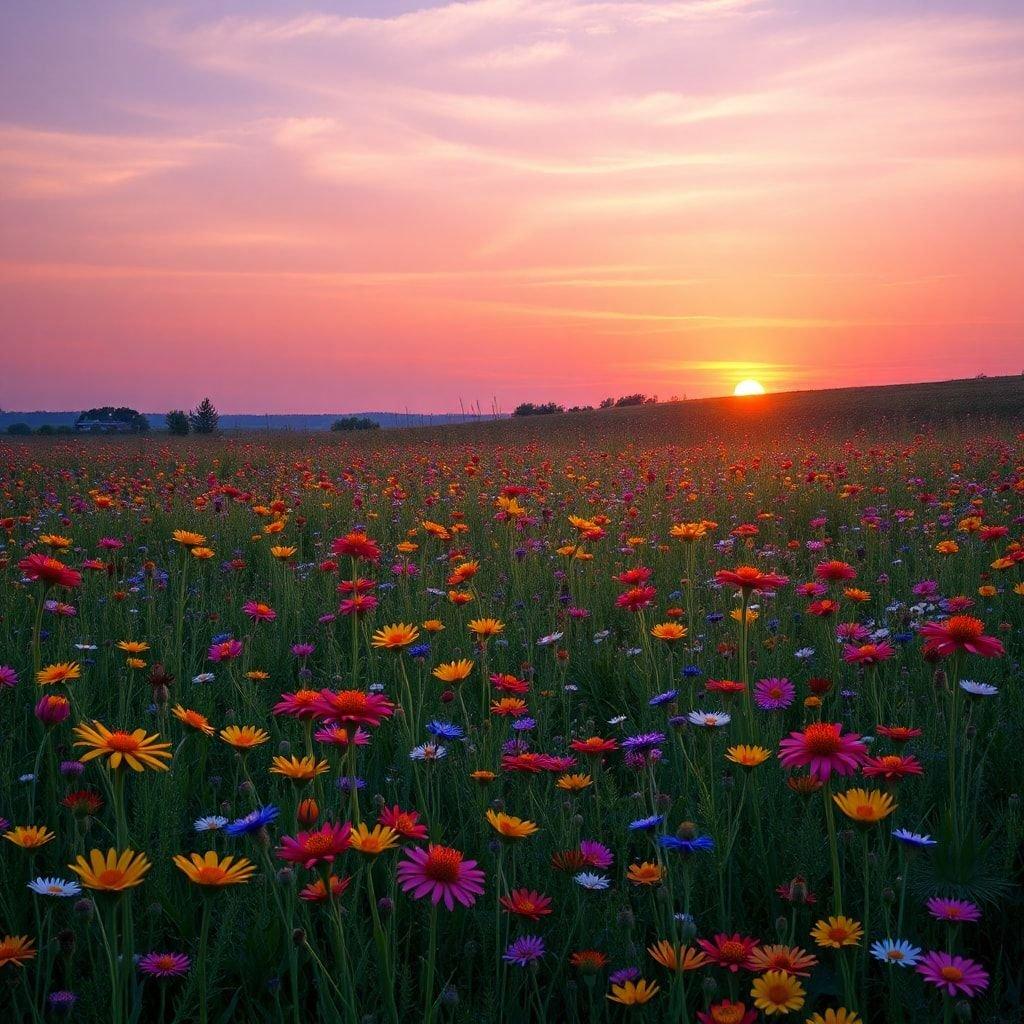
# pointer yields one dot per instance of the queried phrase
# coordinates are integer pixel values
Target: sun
(748, 387)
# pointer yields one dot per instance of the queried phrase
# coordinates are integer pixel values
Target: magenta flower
(259, 612)
(8, 677)
(164, 965)
(303, 650)
(596, 854)
(226, 650)
(823, 749)
(440, 873)
(318, 846)
(773, 694)
(524, 951)
(953, 910)
(953, 974)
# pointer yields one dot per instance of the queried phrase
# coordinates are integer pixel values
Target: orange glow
(748, 387)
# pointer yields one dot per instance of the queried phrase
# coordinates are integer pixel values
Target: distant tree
(355, 423)
(580, 408)
(109, 416)
(177, 422)
(606, 403)
(537, 409)
(45, 430)
(19, 429)
(627, 400)
(205, 419)
(65, 429)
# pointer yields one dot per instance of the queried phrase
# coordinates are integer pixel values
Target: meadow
(523, 722)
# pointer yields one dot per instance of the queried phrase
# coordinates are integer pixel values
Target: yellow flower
(509, 827)
(208, 870)
(282, 552)
(865, 806)
(375, 841)
(670, 632)
(837, 932)
(677, 958)
(135, 749)
(737, 613)
(987, 591)
(135, 663)
(62, 672)
(113, 871)
(689, 532)
(777, 992)
(646, 873)
(574, 783)
(633, 993)
(133, 646)
(203, 554)
(298, 769)
(947, 547)
(483, 629)
(433, 625)
(187, 539)
(395, 637)
(453, 671)
(840, 1016)
(747, 756)
(55, 541)
(244, 737)
(29, 837)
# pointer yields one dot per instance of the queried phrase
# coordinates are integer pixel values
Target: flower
(867, 654)
(374, 842)
(791, 959)
(509, 827)
(187, 539)
(774, 694)
(837, 932)
(354, 706)
(777, 992)
(747, 756)
(135, 749)
(527, 903)
(405, 823)
(244, 737)
(891, 767)
(974, 689)
(62, 672)
(830, 1016)
(865, 806)
(895, 951)
(748, 579)
(677, 958)
(727, 1012)
(316, 892)
(298, 769)
(959, 633)
(51, 572)
(29, 837)
(113, 871)
(646, 873)
(193, 719)
(483, 629)
(524, 950)
(709, 719)
(211, 823)
(164, 965)
(54, 887)
(213, 872)
(258, 611)
(440, 873)
(252, 822)
(913, 839)
(729, 951)
(356, 545)
(592, 881)
(953, 974)
(959, 911)
(16, 949)
(823, 749)
(633, 993)
(319, 846)
(395, 637)
(453, 671)
(670, 632)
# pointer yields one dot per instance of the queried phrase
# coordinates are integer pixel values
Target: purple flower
(953, 910)
(8, 677)
(597, 854)
(303, 650)
(524, 951)
(644, 741)
(624, 974)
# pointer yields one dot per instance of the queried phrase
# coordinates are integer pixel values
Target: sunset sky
(383, 204)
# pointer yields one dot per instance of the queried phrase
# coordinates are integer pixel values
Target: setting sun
(748, 387)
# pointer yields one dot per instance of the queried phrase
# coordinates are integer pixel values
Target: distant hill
(257, 421)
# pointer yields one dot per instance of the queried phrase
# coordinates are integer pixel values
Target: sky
(390, 205)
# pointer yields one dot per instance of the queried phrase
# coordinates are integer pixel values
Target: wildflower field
(515, 729)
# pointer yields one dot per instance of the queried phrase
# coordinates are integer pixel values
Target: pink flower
(868, 654)
(259, 612)
(8, 677)
(227, 650)
(959, 633)
(440, 873)
(823, 749)
(319, 846)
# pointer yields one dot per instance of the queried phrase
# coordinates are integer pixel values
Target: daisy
(54, 887)
(953, 974)
(441, 873)
(896, 951)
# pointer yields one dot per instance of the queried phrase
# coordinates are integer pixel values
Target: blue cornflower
(643, 741)
(445, 730)
(663, 698)
(915, 839)
(691, 671)
(524, 950)
(419, 651)
(253, 821)
(646, 824)
(693, 844)
(896, 951)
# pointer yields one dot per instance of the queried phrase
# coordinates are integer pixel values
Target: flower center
(951, 973)
(822, 738)
(442, 864)
(964, 627)
(123, 742)
(733, 950)
(318, 843)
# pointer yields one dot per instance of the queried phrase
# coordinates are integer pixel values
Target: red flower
(891, 767)
(729, 951)
(319, 846)
(405, 823)
(527, 903)
(749, 579)
(960, 633)
(823, 749)
(356, 545)
(50, 572)
(354, 706)
(834, 572)
(868, 654)
(636, 598)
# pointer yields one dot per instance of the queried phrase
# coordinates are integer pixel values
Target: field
(633, 715)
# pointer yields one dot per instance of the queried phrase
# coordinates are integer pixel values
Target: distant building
(102, 427)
